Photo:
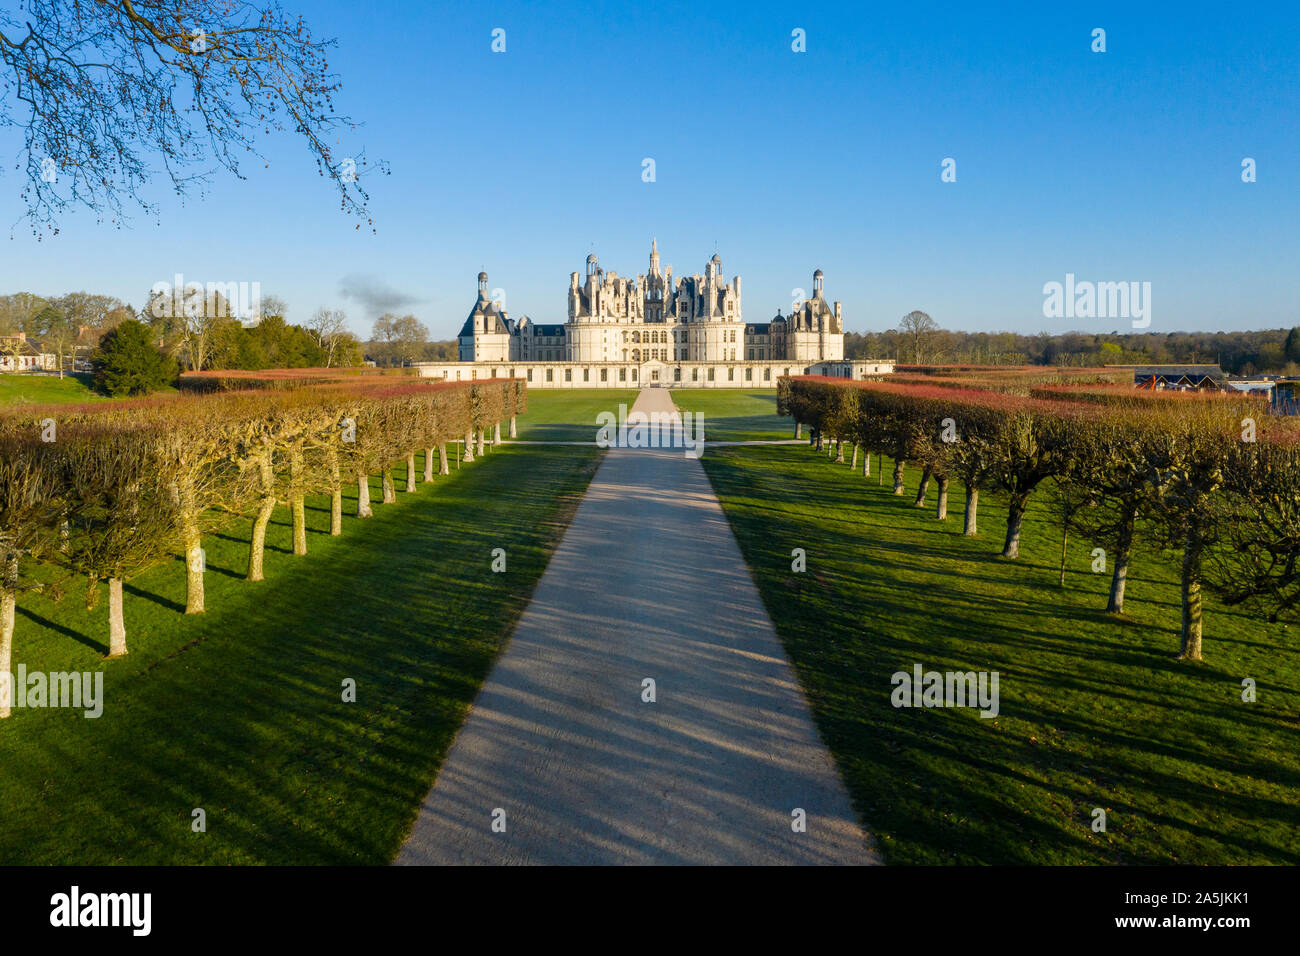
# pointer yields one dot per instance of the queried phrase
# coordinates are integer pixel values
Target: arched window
(636, 337)
(636, 355)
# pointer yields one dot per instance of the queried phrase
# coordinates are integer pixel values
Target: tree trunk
(428, 465)
(1015, 516)
(1065, 541)
(941, 511)
(924, 487)
(8, 606)
(193, 550)
(1123, 551)
(257, 542)
(798, 430)
(482, 444)
(297, 505)
(866, 463)
(299, 508)
(898, 476)
(363, 495)
(853, 465)
(972, 511)
(116, 622)
(336, 494)
(443, 467)
(469, 447)
(880, 469)
(496, 435)
(839, 451)
(514, 430)
(1190, 634)
(257, 546)
(410, 473)
(390, 493)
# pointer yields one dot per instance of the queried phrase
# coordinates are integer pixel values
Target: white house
(19, 354)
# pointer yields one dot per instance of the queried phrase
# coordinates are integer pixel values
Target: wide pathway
(561, 749)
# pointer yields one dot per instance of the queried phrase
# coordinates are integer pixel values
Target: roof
(1178, 371)
(18, 345)
(484, 307)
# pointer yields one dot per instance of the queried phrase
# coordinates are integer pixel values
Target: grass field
(24, 389)
(569, 414)
(1095, 712)
(735, 414)
(239, 711)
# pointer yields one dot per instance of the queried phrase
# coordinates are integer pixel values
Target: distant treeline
(1239, 353)
(195, 331)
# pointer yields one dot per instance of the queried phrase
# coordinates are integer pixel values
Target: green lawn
(569, 414)
(239, 711)
(1095, 712)
(22, 388)
(735, 414)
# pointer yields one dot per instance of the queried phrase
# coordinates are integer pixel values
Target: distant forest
(80, 319)
(1272, 351)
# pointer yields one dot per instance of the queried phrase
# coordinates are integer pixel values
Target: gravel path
(648, 582)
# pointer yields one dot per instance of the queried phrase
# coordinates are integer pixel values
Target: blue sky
(1123, 165)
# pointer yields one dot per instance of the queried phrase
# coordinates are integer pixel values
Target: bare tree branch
(113, 92)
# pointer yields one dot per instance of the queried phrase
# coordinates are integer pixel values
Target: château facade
(654, 329)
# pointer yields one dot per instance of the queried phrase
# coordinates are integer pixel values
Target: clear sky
(1115, 166)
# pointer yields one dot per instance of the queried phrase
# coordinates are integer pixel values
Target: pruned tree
(1185, 461)
(30, 508)
(1258, 562)
(1106, 458)
(120, 512)
(1026, 452)
(191, 454)
(972, 459)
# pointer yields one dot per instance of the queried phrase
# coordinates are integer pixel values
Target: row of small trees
(1211, 481)
(105, 491)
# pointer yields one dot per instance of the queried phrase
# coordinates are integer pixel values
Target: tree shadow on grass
(155, 598)
(238, 539)
(249, 721)
(63, 629)
(1095, 709)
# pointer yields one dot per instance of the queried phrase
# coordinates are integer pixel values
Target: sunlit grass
(735, 414)
(1095, 711)
(569, 414)
(239, 711)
